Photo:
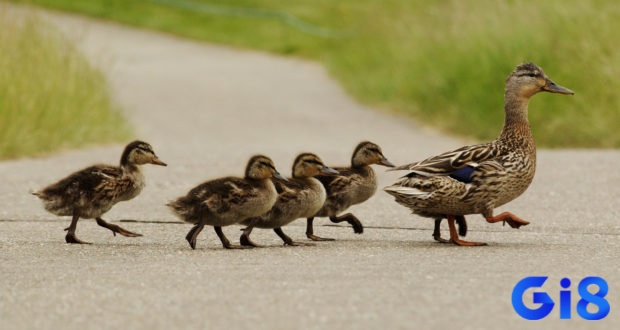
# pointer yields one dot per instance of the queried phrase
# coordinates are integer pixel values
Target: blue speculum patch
(463, 174)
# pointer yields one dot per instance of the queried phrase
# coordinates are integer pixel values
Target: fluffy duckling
(226, 201)
(353, 185)
(479, 178)
(93, 191)
(299, 197)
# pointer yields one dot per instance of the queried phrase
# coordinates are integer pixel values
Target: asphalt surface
(206, 109)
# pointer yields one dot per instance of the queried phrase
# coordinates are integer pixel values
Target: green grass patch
(443, 62)
(50, 96)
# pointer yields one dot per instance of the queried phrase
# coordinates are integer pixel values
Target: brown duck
(479, 178)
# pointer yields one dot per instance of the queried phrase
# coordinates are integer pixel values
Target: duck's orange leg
(513, 220)
(454, 236)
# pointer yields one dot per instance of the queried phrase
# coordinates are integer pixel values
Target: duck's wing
(449, 162)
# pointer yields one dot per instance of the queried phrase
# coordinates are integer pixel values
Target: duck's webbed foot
(358, 228)
(225, 242)
(192, 234)
(310, 232)
(454, 236)
(116, 229)
(507, 217)
(287, 240)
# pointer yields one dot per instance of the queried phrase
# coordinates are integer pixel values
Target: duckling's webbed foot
(437, 232)
(70, 237)
(512, 220)
(245, 237)
(116, 229)
(310, 232)
(358, 228)
(287, 240)
(193, 234)
(225, 242)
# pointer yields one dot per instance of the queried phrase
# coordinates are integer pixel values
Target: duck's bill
(328, 170)
(386, 162)
(156, 161)
(555, 88)
(279, 176)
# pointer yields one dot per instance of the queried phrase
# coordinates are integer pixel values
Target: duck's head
(528, 79)
(368, 153)
(140, 153)
(307, 165)
(261, 167)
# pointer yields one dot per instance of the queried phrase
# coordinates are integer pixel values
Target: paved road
(206, 109)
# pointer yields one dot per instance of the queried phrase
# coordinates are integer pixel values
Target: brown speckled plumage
(353, 185)
(299, 197)
(93, 191)
(226, 201)
(501, 170)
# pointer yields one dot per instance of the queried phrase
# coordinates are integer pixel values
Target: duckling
(479, 178)
(299, 197)
(353, 185)
(93, 191)
(229, 200)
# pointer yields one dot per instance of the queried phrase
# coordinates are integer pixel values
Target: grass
(443, 62)
(50, 96)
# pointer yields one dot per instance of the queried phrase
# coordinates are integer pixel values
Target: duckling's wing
(289, 190)
(451, 161)
(88, 181)
(337, 184)
(223, 194)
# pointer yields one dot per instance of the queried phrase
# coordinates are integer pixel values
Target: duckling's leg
(460, 221)
(70, 237)
(225, 242)
(454, 236)
(513, 220)
(116, 229)
(358, 228)
(287, 240)
(245, 237)
(192, 234)
(437, 232)
(310, 232)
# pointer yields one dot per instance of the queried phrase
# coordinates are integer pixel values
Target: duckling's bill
(328, 170)
(156, 161)
(277, 175)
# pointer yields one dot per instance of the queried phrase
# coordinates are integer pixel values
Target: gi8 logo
(547, 303)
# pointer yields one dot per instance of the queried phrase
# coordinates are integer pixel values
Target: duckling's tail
(185, 208)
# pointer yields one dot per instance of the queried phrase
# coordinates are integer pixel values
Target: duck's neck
(516, 125)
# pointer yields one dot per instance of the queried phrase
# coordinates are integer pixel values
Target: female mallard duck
(93, 191)
(226, 201)
(353, 185)
(479, 178)
(299, 197)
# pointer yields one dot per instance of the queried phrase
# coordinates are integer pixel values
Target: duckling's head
(367, 153)
(528, 79)
(261, 167)
(139, 153)
(307, 165)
